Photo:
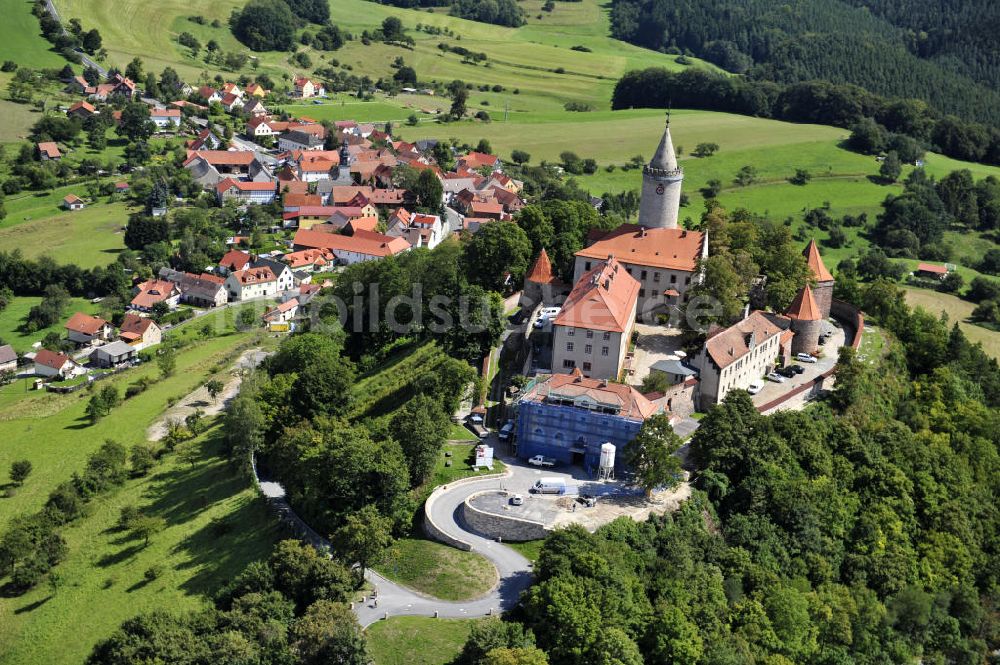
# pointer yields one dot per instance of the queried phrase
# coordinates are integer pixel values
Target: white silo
(606, 470)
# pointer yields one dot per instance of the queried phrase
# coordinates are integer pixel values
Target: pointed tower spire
(815, 262)
(541, 272)
(665, 159)
(661, 186)
(804, 307)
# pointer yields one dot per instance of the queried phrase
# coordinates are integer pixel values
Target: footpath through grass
(418, 640)
(216, 525)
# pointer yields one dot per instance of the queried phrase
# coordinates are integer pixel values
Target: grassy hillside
(21, 38)
(521, 58)
(216, 525)
(417, 640)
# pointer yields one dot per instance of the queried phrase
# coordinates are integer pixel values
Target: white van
(549, 486)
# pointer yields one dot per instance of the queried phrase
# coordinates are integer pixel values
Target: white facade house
(166, 118)
(261, 193)
(251, 283)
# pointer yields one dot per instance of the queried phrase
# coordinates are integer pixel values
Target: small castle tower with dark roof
(660, 203)
(823, 291)
(806, 321)
(541, 286)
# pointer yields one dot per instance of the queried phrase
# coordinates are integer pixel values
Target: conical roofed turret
(664, 159)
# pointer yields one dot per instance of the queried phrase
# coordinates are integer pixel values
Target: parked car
(549, 312)
(541, 460)
(516, 500)
(505, 431)
(798, 369)
(805, 358)
(755, 387)
(774, 376)
(786, 372)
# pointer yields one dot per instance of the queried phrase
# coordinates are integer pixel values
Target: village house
(209, 167)
(139, 332)
(594, 327)
(113, 354)
(154, 291)
(260, 193)
(664, 260)
(256, 90)
(251, 283)
(418, 229)
(8, 359)
(305, 217)
(309, 260)
(283, 313)
(477, 160)
(166, 118)
(84, 330)
(73, 202)
(55, 365)
(254, 108)
(361, 246)
(81, 110)
(283, 274)
(231, 102)
(206, 140)
(48, 150)
(931, 271)
(209, 94)
(297, 139)
(306, 88)
(569, 417)
(233, 261)
(202, 290)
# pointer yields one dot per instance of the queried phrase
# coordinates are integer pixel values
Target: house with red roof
(361, 245)
(73, 202)
(166, 118)
(84, 329)
(309, 260)
(209, 94)
(306, 88)
(594, 327)
(251, 283)
(48, 150)
(930, 271)
(233, 261)
(55, 365)
(418, 229)
(283, 313)
(243, 191)
(154, 291)
(477, 160)
(139, 331)
(81, 110)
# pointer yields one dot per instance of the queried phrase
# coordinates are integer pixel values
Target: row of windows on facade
(570, 332)
(588, 348)
(734, 369)
(643, 274)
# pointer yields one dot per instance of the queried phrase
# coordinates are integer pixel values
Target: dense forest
(842, 105)
(896, 49)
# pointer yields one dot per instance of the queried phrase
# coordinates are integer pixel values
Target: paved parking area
(614, 498)
(825, 362)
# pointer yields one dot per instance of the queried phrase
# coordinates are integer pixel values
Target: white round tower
(661, 186)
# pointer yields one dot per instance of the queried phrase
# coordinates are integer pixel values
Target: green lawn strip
(530, 549)
(90, 237)
(438, 570)
(12, 318)
(57, 438)
(460, 433)
(958, 311)
(216, 525)
(872, 345)
(417, 640)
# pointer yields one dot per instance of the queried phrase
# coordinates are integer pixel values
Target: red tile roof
(603, 299)
(727, 346)
(85, 324)
(152, 292)
(628, 401)
(541, 272)
(804, 307)
(49, 149)
(362, 242)
(51, 359)
(931, 268)
(675, 249)
(815, 261)
(70, 199)
(222, 157)
(135, 324)
(244, 186)
(235, 260)
(254, 276)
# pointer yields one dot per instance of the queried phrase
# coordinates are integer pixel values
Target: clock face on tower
(659, 189)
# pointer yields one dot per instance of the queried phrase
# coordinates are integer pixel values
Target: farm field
(417, 640)
(21, 38)
(133, 28)
(54, 434)
(216, 525)
(958, 310)
(89, 237)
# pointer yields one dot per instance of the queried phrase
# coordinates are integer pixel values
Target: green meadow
(13, 316)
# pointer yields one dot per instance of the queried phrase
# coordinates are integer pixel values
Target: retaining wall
(504, 527)
(845, 311)
(432, 529)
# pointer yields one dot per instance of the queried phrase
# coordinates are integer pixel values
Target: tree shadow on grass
(120, 556)
(31, 607)
(221, 549)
